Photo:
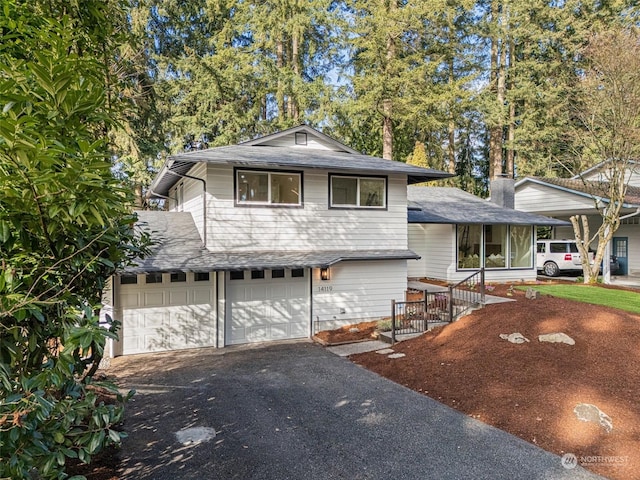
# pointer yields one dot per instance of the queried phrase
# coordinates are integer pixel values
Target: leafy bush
(65, 228)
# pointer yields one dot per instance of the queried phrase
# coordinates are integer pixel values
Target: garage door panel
(298, 330)
(129, 300)
(165, 319)
(267, 309)
(202, 296)
(178, 297)
(153, 299)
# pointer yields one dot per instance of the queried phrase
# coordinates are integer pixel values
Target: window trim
(384, 178)
(269, 172)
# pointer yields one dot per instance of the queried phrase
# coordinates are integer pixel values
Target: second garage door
(267, 305)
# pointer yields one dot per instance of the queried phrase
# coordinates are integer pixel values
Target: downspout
(204, 202)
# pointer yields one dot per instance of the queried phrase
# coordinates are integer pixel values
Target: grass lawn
(609, 297)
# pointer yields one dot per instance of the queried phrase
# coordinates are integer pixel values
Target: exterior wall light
(324, 273)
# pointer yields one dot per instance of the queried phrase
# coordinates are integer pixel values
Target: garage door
(166, 312)
(267, 305)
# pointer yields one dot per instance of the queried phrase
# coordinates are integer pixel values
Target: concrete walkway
(297, 411)
(431, 288)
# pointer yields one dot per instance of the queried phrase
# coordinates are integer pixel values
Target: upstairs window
(268, 188)
(358, 192)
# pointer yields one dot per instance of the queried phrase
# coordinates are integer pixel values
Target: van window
(557, 248)
(541, 248)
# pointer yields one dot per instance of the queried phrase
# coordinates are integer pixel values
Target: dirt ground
(531, 389)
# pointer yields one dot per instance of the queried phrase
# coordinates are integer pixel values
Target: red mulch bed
(531, 389)
(347, 334)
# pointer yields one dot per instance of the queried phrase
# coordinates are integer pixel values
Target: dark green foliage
(65, 227)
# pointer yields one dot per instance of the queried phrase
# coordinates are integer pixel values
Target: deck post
(393, 322)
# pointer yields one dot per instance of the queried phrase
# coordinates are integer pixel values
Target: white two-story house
(275, 238)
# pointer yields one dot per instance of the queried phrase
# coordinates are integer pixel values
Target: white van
(555, 256)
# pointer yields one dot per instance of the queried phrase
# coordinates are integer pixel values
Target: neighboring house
(585, 194)
(456, 233)
(271, 239)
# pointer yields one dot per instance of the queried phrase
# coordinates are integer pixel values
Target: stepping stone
(385, 351)
(397, 355)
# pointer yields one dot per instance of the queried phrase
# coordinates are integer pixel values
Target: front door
(620, 250)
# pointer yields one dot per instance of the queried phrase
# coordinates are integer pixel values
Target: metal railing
(438, 307)
(467, 295)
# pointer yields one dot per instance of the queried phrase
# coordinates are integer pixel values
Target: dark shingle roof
(590, 188)
(454, 206)
(288, 158)
(179, 248)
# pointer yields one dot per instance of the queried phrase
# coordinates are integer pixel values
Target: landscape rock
(514, 337)
(354, 330)
(590, 413)
(558, 337)
(397, 355)
(532, 294)
(385, 351)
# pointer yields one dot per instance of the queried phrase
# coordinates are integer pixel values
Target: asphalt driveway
(296, 411)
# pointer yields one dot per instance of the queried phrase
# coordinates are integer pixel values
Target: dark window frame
(267, 204)
(178, 277)
(155, 277)
(384, 207)
(278, 273)
(124, 281)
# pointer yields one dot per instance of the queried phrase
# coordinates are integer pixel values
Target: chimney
(503, 192)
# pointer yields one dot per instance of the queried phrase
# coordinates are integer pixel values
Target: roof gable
(302, 136)
(597, 170)
(583, 188)
(262, 153)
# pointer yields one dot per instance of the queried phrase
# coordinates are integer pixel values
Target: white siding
(310, 227)
(290, 141)
(435, 244)
(192, 193)
(535, 198)
(357, 291)
(632, 176)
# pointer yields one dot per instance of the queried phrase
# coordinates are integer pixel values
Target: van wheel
(550, 269)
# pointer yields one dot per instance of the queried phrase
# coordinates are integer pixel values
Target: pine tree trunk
(451, 149)
(511, 133)
(295, 61)
(495, 131)
(387, 103)
(280, 96)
